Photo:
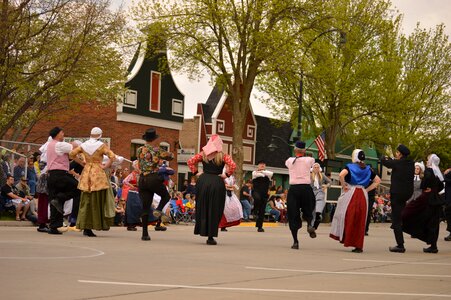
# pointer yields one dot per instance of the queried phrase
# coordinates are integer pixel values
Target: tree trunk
(331, 138)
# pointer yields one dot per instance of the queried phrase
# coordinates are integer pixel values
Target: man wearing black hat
(261, 178)
(62, 186)
(300, 194)
(401, 189)
(150, 182)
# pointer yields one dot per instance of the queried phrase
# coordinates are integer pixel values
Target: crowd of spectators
(18, 178)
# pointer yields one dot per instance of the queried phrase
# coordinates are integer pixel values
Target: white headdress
(358, 156)
(420, 165)
(433, 163)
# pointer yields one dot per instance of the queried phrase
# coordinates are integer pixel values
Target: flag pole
(310, 145)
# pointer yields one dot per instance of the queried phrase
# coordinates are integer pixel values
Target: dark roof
(266, 128)
(212, 101)
(134, 59)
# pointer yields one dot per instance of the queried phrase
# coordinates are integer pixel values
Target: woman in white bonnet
(96, 203)
(348, 224)
(419, 174)
(421, 218)
(319, 183)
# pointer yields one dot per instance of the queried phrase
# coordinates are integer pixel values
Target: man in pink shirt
(300, 194)
(62, 186)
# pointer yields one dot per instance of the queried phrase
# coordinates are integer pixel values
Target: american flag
(319, 141)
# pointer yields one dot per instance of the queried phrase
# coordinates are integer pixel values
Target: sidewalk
(14, 223)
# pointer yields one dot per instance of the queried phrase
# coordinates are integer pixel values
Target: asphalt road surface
(244, 265)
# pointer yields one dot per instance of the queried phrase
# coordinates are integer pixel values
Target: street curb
(16, 223)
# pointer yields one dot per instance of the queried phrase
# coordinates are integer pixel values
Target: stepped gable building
(215, 117)
(152, 99)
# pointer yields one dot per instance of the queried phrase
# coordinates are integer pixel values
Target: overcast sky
(428, 12)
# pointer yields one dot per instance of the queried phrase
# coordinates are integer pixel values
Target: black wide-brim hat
(403, 150)
(150, 135)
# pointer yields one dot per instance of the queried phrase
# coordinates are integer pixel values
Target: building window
(155, 91)
(220, 126)
(225, 148)
(247, 153)
(165, 147)
(130, 98)
(250, 131)
(177, 107)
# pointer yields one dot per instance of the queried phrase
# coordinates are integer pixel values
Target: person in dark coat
(421, 217)
(447, 180)
(261, 179)
(211, 190)
(401, 190)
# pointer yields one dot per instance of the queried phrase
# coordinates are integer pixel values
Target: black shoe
(88, 232)
(224, 229)
(260, 229)
(56, 204)
(430, 250)
(357, 250)
(131, 228)
(53, 231)
(43, 229)
(295, 245)
(160, 228)
(366, 233)
(145, 238)
(211, 241)
(448, 238)
(397, 249)
(311, 231)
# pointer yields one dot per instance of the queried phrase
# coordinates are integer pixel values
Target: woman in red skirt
(348, 224)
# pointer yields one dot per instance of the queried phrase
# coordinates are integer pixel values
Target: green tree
(54, 54)
(375, 87)
(420, 96)
(235, 41)
(344, 65)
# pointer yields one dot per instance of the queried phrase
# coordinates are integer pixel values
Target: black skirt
(210, 199)
(421, 220)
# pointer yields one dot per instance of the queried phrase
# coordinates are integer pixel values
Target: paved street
(244, 265)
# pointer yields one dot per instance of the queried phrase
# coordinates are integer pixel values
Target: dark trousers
(260, 200)
(398, 202)
(300, 199)
(149, 185)
(448, 217)
(371, 200)
(62, 186)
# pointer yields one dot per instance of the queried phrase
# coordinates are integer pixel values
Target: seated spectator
(179, 201)
(281, 207)
(190, 206)
(186, 198)
(23, 189)
(10, 193)
(272, 209)
(120, 212)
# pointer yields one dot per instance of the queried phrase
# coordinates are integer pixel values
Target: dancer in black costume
(211, 191)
